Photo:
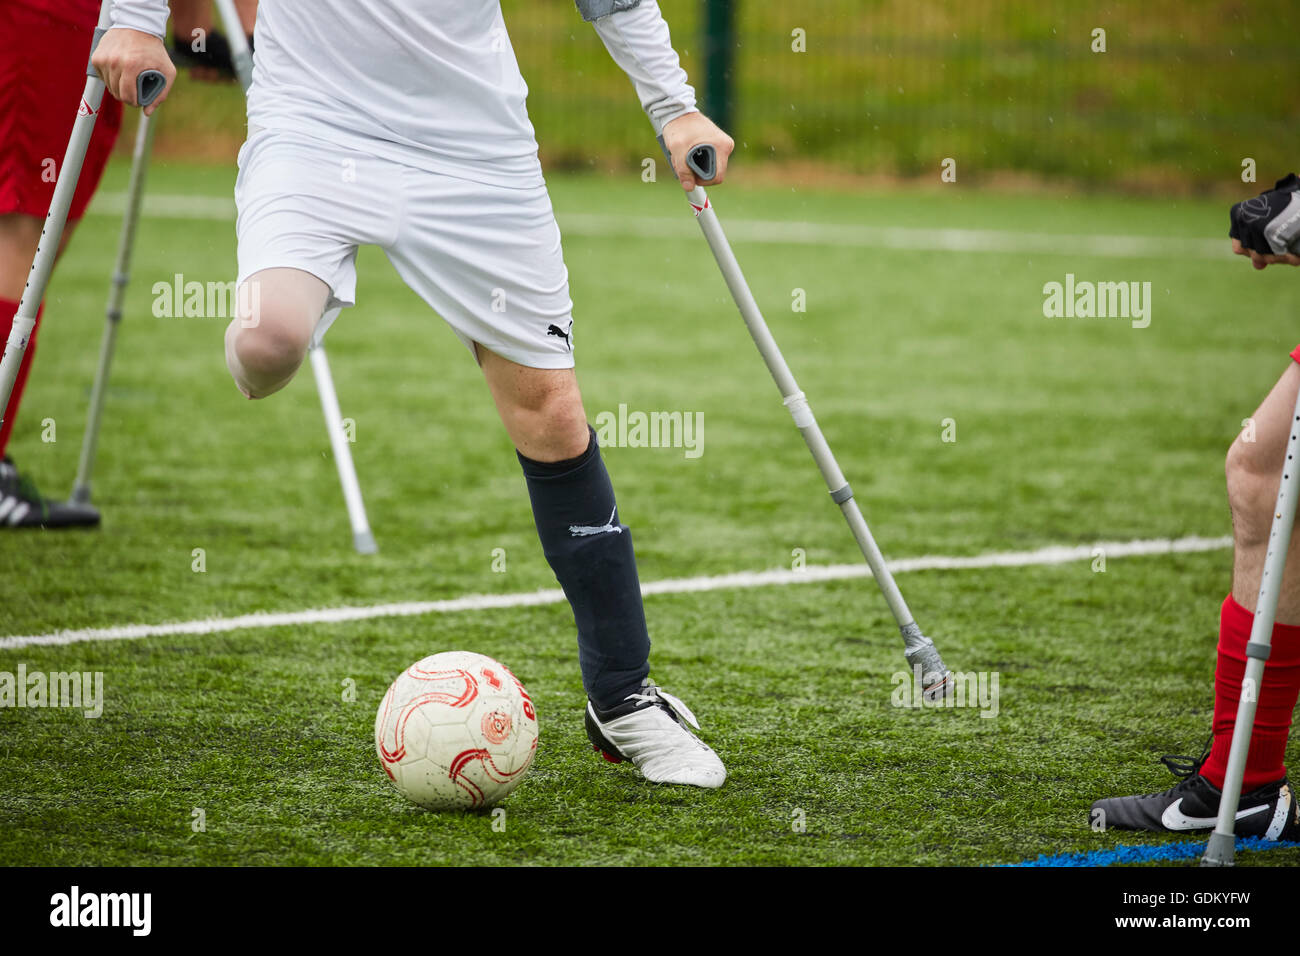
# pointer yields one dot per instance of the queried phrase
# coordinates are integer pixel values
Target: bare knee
(554, 425)
(270, 349)
(541, 408)
(1252, 491)
(263, 358)
(278, 310)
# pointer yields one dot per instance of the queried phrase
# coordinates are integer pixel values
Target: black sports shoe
(1192, 806)
(23, 506)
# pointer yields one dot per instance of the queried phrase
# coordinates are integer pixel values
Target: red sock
(7, 311)
(1277, 698)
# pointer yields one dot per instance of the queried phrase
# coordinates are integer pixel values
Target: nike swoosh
(1173, 817)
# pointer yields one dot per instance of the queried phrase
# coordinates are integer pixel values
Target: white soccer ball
(456, 731)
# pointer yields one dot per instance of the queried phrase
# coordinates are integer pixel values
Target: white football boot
(649, 729)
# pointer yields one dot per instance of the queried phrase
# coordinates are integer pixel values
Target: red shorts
(42, 76)
(84, 13)
(1295, 354)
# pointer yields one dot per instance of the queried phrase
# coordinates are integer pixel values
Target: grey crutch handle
(149, 86)
(702, 160)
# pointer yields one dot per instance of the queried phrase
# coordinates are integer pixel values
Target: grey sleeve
(595, 9)
(147, 16)
(639, 41)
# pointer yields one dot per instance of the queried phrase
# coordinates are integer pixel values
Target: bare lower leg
(541, 408)
(266, 341)
(1254, 471)
(19, 236)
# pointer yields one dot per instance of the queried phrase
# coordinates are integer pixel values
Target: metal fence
(1173, 90)
(1166, 89)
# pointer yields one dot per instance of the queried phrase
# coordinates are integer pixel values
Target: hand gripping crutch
(1220, 849)
(149, 85)
(918, 649)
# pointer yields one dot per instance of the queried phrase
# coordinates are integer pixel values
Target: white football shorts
(485, 257)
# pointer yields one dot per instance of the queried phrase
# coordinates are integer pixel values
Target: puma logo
(583, 530)
(556, 330)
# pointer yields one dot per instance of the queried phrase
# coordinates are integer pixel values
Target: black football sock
(591, 555)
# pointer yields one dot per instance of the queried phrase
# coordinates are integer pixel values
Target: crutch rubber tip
(364, 542)
(922, 655)
(1220, 850)
(943, 686)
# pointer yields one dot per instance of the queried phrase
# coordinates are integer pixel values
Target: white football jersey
(429, 83)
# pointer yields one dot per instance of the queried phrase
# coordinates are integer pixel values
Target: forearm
(637, 38)
(146, 16)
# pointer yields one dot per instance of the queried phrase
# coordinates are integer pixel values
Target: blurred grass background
(1010, 89)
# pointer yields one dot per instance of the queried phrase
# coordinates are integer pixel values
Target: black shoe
(1192, 806)
(23, 506)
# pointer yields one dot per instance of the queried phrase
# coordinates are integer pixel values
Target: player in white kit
(402, 124)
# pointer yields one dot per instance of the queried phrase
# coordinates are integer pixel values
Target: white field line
(173, 206)
(1060, 554)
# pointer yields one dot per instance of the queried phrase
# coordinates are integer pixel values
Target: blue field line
(1165, 852)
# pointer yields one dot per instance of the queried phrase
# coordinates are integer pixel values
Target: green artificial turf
(1068, 432)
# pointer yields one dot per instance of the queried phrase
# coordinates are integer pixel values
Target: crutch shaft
(240, 55)
(797, 404)
(919, 649)
(51, 235)
(149, 85)
(81, 491)
(362, 537)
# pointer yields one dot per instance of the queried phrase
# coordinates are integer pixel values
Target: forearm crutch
(113, 311)
(918, 649)
(149, 85)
